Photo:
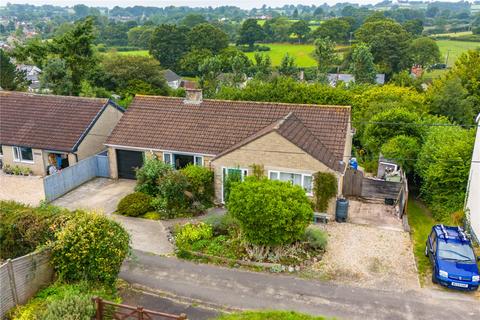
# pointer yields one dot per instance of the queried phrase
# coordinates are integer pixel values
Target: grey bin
(341, 210)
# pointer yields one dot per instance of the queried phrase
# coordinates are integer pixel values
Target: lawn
(455, 49)
(301, 52)
(143, 53)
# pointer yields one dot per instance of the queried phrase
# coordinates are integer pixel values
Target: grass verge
(270, 315)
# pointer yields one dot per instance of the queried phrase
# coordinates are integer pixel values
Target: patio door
(238, 172)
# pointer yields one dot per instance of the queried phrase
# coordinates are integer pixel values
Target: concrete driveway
(103, 195)
(28, 190)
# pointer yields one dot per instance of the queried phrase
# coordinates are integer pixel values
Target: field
(301, 52)
(143, 53)
(455, 49)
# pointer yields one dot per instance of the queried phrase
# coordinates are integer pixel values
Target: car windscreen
(455, 251)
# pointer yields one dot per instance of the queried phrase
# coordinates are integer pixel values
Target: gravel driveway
(367, 256)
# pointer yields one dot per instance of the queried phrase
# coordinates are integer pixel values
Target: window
(22, 154)
(167, 158)
(299, 179)
(199, 161)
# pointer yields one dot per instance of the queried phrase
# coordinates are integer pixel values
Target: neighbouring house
(33, 76)
(37, 131)
(472, 203)
(291, 141)
(334, 78)
(173, 80)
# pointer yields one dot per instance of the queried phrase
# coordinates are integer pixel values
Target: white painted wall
(473, 195)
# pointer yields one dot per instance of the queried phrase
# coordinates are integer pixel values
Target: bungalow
(472, 203)
(291, 141)
(37, 131)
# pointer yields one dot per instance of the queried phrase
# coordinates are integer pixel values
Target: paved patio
(374, 213)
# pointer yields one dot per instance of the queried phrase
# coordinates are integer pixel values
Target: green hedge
(135, 204)
(23, 228)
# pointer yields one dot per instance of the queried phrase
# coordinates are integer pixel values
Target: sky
(245, 4)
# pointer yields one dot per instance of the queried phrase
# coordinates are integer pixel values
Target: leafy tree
(467, 69)
(207, 36)
(287, 66)
(318, 13)
(262, 67)
(362, 66)
(191, 61)
(336, 29)
(404, 150)
(193, 19)
(131, 74)
(140, 36)
(250, 32)
(168, 45)
(414, 26)
(424, 51)
(301, 29)
(388, 124)
(76, 49)
(209, 71)
(10, 77)
(444, 164)
(277, 29)
(388, 43)
(325, 54)
(449, 98)
(33, 51)
(55, 77)
(405, 79)
(270, 212)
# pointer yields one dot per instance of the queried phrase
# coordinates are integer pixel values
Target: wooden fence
(109, 310)
(22, 277)
(355, 184)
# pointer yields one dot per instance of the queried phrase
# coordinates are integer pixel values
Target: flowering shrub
(90, 247)
(192, 232)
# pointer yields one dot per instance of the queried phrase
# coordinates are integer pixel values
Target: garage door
(127, 161)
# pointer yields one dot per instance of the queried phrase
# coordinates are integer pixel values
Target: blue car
(452, 257)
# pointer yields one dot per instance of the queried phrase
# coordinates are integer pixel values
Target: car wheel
(434, 277)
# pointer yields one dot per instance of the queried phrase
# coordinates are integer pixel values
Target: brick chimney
(193, 96)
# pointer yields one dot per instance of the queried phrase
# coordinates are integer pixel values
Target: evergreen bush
(135, 204)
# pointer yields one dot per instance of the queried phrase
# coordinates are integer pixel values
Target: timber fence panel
(22, 277)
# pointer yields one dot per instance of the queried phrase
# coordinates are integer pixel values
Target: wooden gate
(109, 310)
(352, 183)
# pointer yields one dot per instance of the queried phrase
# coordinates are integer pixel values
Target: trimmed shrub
(270, 212)
(135, 204)
(148, 175)
(191, 232)
(23, 228)
(200, 181)
(90, 247)
(324, 189)
(316, 239)
(71, 307)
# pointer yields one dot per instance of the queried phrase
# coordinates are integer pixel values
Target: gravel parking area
(367, 256)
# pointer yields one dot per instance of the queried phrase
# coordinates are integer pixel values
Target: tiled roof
(215, 126)
(45, 121)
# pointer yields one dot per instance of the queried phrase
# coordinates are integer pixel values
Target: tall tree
(325, 54)
(336, 29)
(207, 36)
(388, 42)
(250, 32)
(169, 44)
(362, 66)
(301, 29)
(76, 49)
(209, 71)
(424, 51)
(287, 66)
(55, 77)
(192, 19)
(10, 77)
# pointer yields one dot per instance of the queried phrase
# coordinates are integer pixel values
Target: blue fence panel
(71, 177)
(103, 168)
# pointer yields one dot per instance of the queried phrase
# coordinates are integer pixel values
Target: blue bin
(341, 210)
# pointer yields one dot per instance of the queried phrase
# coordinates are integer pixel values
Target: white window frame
(170, 162)
(277, 172)
(195, 158)
(244, 173)
(17, 155)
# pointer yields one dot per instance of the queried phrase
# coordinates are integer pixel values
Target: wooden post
(140, 312)
(99, 308)
(11, 279)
